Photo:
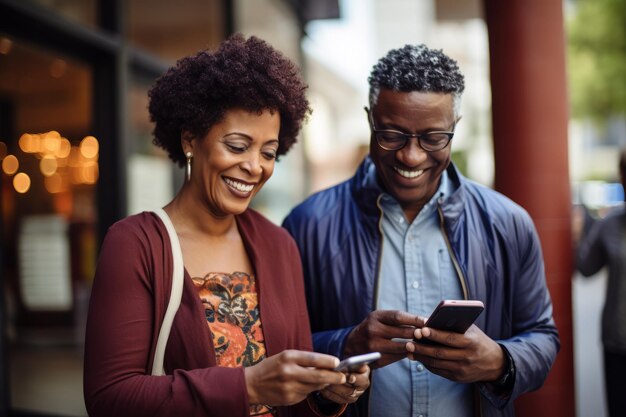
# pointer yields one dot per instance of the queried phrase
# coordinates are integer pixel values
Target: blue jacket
(495, 250)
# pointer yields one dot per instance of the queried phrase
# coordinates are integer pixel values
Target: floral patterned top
(231, 307)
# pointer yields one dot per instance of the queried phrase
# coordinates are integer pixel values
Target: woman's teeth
(244, 188)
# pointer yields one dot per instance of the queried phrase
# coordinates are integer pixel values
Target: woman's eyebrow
(245, 135)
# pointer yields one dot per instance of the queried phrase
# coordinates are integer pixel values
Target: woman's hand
(357, 382)
(288, 377)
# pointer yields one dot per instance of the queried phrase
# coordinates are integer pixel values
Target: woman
(240, 341)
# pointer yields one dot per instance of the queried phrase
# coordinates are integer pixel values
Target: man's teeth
(244, 188)
(409, 174)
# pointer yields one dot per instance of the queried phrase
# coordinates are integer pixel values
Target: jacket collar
(365, 187)
(366, 190)
(453, 206)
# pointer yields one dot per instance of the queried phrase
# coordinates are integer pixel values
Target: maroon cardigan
(128, 301)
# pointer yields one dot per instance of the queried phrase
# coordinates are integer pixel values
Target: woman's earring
(189, 156)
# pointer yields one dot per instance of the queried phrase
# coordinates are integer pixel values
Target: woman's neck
(190, 216)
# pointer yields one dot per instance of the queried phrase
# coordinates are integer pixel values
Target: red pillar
(529, 101)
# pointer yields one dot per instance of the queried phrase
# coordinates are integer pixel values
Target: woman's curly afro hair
(247, 74)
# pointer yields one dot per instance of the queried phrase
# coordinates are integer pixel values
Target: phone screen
(455, 315)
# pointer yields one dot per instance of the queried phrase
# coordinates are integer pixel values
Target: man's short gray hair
(417, 68)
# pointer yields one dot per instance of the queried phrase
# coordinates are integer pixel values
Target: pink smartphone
(455, 315)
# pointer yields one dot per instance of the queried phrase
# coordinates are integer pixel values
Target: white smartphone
(354, 362)
(455, 315)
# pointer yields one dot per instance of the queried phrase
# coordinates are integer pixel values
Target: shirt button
(420, 415)
(420, 368)
(415, 284)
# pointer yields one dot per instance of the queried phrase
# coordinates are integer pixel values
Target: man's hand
(374, 334)
(465, 358)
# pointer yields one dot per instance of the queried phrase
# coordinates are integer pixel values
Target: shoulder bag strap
(175, 296)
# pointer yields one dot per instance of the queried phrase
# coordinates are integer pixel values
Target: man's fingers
(437, 352)
(397, 318)
(397, 324)
(440, 336)
(389, 347)
(397, 332)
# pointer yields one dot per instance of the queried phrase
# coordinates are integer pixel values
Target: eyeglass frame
(408, 136)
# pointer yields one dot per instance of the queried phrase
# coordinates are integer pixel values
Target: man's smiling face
(411, 175)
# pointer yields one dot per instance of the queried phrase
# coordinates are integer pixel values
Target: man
(408, 230)
(603, 244)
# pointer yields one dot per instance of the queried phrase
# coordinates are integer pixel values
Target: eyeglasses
(393, 140)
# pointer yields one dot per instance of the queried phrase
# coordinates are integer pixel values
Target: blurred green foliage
(459, 157)
(597, 58)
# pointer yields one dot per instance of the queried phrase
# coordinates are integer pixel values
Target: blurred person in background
(382, 249)
(240, 343)
(602, 243)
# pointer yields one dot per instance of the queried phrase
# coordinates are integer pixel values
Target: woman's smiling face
(234, 160)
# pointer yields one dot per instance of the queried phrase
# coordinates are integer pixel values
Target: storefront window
(54, 165)
(80, 11)
(49, 173)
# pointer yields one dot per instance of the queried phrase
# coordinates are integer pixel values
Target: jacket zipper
(463, 281)
(377, 277)
(380, 252)
(455, 262)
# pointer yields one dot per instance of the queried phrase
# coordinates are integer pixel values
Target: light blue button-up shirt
(416, 273)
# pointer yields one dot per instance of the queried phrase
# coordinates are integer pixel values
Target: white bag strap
(175, 296)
